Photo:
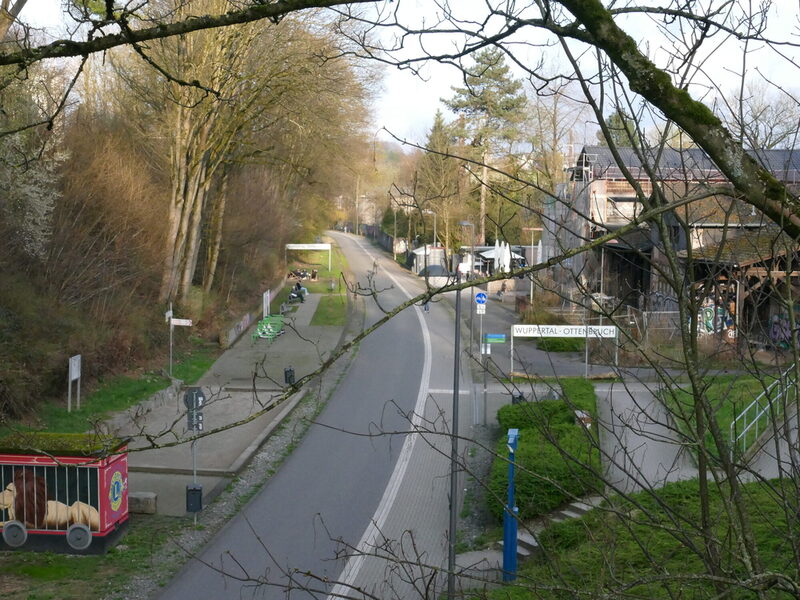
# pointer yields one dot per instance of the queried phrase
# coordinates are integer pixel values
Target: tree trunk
(215, 233)
(9, 15)
(482, 216)
(189, 264)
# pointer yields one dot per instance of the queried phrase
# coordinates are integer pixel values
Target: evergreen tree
(492, 105)
(622, 130)
(438, 176)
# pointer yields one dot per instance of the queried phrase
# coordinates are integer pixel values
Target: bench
(269, 327)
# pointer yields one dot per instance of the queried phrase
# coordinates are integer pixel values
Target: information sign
(601, 331)
(74, 367)
(495, 338)
(480, 309)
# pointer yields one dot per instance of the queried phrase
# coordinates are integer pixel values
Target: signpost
(194, 399)
(576, 331)
(480, 308)
(74, 375)
(173, 322)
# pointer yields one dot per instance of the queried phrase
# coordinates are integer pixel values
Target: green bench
(269, 328)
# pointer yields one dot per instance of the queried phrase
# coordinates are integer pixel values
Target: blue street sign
(494, 338)
(480, 298)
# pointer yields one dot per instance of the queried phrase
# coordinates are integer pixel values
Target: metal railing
(761, 412)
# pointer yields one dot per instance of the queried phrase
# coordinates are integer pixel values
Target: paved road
(334, 485)
(639, 443)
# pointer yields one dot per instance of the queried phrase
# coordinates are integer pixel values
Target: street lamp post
(451, 542)
(472, 268)
(539, 258)
(394, 237)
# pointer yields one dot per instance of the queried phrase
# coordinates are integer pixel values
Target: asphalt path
(343, 480)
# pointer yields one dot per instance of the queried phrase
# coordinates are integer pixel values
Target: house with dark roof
(708, 226)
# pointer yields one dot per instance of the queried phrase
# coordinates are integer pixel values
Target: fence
(762, 412)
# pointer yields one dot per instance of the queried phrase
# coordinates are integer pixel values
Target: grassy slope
(602, 553)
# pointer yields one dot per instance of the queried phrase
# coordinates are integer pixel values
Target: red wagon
(63, 493)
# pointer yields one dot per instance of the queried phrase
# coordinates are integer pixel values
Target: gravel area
(474, 519)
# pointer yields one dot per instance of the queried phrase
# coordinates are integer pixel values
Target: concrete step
(522, 551)
(581, 507)
(569, 513)
(528, 541)
(481, 565)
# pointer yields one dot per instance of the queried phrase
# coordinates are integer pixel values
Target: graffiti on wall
(715, 319)
(780, 330)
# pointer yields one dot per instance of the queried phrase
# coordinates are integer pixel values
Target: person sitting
(300, 291)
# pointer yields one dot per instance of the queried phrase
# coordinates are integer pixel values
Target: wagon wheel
(14, 534)
(78, 536)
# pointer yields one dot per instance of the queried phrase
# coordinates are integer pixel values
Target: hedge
(551, 454)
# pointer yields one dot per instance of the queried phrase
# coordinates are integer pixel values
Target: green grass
(328, 281)
(632, 548)
(727, 395)
(120, 393)
(67, 577)
(332, 310)
(318, 259)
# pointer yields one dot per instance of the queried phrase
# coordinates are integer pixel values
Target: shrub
(560, 344)
(549, 470)
(534, 414)
(552, 452)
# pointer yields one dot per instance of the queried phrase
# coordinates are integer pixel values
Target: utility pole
(451, 542)
(538, 258)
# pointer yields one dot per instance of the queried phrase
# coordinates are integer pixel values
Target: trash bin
(288, 376)
(194, 497)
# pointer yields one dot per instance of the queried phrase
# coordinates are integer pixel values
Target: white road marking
(450, 391)
(371, 535)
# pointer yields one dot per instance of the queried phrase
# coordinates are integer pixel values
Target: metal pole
(171, 328)
(510, 515)
(194, 470)
(451, 556)
(602, 294)
(79, 392)
(511, 368)
(471, 304)
(394, 238)
(69, 390)
(586, 340)
(531, 274)
(485, 371)
(480, 328)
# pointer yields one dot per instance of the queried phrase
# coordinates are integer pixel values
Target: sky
(406, 104)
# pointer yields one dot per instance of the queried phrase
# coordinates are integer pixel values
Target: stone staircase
(486, 566)
(528, 546)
